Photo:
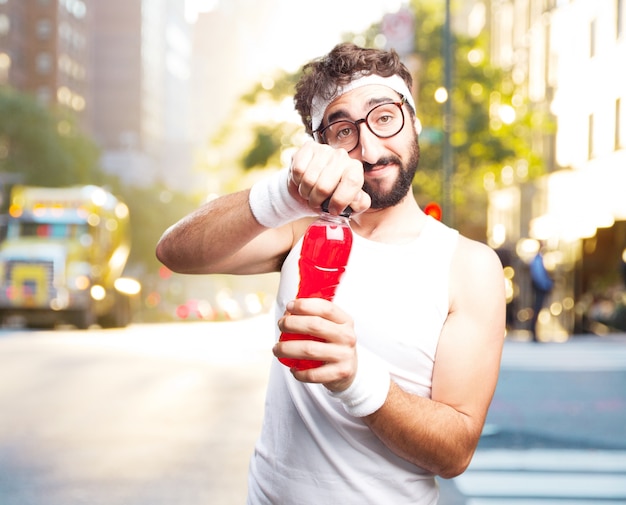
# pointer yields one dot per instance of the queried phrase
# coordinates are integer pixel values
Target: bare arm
(441, 434)
(223, 236)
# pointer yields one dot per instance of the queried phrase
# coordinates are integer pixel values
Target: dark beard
(382, 200)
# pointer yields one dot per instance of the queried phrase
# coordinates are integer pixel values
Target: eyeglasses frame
(319, 133)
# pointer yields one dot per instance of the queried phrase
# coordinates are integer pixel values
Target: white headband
(395, 82)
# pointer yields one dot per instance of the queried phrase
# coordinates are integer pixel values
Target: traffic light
(434, 210)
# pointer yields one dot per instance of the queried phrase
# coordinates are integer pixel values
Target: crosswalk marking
(544, 477)
(550, 460)
(533, 501)
(543, 485)
(575, 356)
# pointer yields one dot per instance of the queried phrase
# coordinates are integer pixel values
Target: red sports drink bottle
(325, 251)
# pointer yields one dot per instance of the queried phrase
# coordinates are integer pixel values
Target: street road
(556, 430)
(150, 415)
(168, 414)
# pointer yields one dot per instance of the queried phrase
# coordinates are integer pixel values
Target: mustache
(389, 160)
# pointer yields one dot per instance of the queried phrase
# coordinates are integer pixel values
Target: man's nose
(369, 148)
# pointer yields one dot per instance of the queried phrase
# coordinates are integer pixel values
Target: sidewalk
(579, 353)
(524, 336)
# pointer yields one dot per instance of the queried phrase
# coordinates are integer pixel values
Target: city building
(566, 57)
(141, 100)
(45, 50)
(122, 66)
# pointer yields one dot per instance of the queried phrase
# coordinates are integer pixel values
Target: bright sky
(298, 30)
(283, 33)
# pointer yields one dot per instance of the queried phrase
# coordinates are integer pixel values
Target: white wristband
(271, 203)
(369, 389)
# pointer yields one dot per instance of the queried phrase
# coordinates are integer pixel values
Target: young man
(411, 342)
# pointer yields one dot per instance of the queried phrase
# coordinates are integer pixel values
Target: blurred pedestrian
(623, 267)
(411, 343)
(542, 285)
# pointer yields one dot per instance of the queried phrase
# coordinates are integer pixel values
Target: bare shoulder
(477, 276)
(470, 345)
(475, 258)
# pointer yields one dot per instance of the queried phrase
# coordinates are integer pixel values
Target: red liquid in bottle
(325, 250)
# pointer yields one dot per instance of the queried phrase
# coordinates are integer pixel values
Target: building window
(77, 8)
(590, 146)
(549, 5)
(44, 95)
(5, 24)
(43, 63)
(44, 29)
(5, 66)
(592, 39)
(618, 124)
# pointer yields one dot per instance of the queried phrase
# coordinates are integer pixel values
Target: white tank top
(310, 451)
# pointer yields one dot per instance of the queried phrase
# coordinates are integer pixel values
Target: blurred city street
(118, 118)
(164, 414)
(154, 414)
(556, 429)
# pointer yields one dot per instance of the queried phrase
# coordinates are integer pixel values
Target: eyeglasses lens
(384, 121)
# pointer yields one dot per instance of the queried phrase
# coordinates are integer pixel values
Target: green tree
(483, 142)
(44, 146)
(261, 126)
(152, 209)
(269, 138)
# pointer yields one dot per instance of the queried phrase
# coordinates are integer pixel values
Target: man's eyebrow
(340, 114)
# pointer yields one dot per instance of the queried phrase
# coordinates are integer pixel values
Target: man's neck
(394, 225)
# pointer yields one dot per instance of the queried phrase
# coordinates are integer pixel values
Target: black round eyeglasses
(384, 121)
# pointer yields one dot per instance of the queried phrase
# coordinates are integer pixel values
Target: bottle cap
(347, 212)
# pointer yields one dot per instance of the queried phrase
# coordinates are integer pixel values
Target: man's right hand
(319, 172)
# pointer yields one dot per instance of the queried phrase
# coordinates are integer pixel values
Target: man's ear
(418, 125)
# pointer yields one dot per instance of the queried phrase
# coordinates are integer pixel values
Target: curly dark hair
(345, 62)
